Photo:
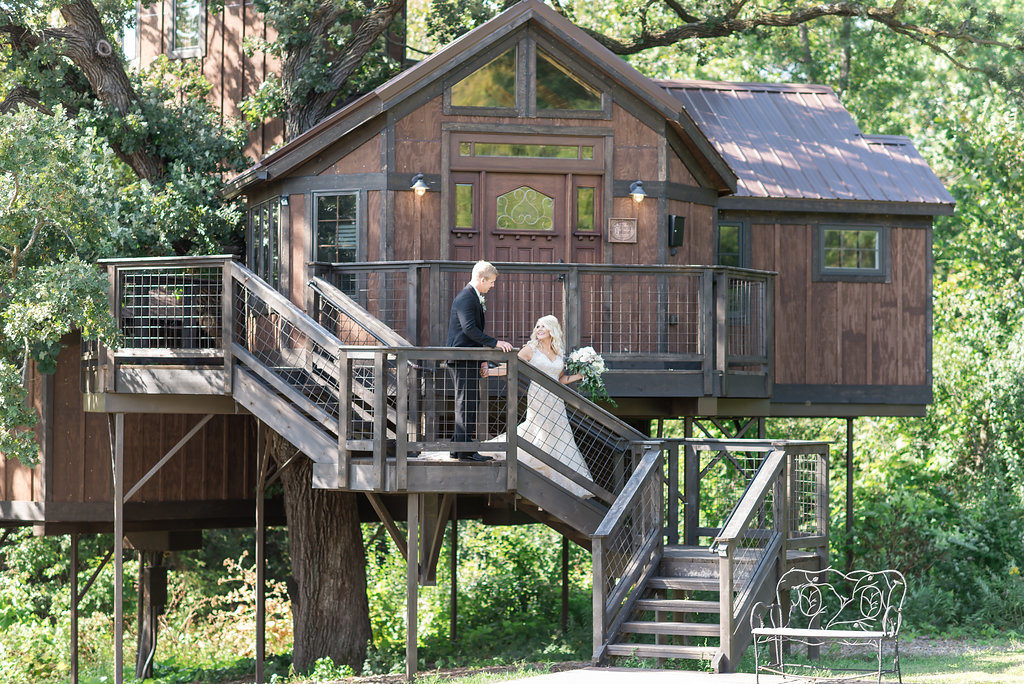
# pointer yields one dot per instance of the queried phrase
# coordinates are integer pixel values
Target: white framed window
(264, 247)
(187, 29)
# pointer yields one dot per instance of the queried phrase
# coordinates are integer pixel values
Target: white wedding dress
(547, 428)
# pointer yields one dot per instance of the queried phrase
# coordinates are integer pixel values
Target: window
(130, 36)
(464, 205)
(336, 234)
(265, 241)
(851, 253)
(485, 149)
(494, 85)
(732, 245)
(558, 89)
(585, 218)
(188, 28)
(525, 209)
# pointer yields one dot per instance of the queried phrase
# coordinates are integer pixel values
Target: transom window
(491, 86)
(484, 149)
(188, 28)
(336, 227)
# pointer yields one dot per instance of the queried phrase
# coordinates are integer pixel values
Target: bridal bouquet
(589, 364)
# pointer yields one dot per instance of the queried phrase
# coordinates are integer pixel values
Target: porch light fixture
(636, 191)
(419, 185)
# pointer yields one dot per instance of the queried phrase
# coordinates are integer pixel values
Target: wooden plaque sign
(622, 230)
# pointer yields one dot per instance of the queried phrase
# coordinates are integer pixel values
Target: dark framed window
(264, 252)
(558, 89)
(336, 218)
(187, 29)
(855, 253)
(732, 244)
(491, 86)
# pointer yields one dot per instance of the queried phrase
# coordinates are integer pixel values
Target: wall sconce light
(636, 191)
(419, 185)
(284, 200)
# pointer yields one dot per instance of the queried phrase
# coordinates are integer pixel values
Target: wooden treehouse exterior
(730, 249)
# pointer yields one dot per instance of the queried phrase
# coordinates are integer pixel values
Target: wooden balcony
(664, 331)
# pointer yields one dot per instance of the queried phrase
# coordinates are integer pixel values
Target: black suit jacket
(466, 322)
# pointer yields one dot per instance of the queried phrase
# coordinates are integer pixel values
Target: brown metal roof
(797, 141)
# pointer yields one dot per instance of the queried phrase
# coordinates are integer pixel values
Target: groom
(466, 329)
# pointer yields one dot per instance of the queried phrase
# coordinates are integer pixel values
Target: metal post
(453, 634)
(73, 578)
(118, 448)
(261, 591)
(849, 494)
(565, 584)
(412, 573)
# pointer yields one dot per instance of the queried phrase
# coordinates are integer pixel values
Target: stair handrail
(737, 529)
(627, 547)
(325, 291)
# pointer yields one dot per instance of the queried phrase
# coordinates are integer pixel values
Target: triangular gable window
(493, 85)
(558, 89)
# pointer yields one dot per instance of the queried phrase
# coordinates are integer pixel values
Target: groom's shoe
(474, 457)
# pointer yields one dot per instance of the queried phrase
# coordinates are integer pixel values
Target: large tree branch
(20, 95)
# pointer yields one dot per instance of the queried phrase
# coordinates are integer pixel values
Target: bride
(546, 425)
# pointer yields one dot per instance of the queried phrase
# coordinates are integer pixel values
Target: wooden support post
(691, 485)
(673, 490)
(565, 584)
(849, 494)
(597, 553)
(511, 421)
(721, 331)
(227, 327)
(453, 630)
(725, 618)
(402, 421)
(260, 532)
(73, 581)
(412, 572)
(117, 447)
(380, 422)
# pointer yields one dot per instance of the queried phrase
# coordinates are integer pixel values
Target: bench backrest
(860, 600)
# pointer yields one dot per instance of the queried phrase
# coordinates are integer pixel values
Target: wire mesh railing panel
(343, 326)
(745, 318)
(807, 498)
(621, 551)
(383, 292)
(625, 313)
(573, 435)
(753, 541)
(518, 300)
(284, 350)
(725, 475)
(173, 307)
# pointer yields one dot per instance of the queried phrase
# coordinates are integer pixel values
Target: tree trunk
(330, 612)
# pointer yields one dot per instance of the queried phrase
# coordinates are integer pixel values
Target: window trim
(744, 242)
(881, 274)
(314, 228)
(189, 52)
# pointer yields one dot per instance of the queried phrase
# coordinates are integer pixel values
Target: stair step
(685, 583)
(675, 628)
(679, 605)
(663, 651)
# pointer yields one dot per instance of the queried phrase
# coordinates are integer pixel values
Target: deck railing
(626, 548)
(715, 323)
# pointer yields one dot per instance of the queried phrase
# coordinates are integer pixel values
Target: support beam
(453, 628)
(849, 494)
(73, 581)
(565, 584)
(389, 522)
(412, 586)
(260, 533)
(436, 539)
(175, 449)
(117, 458)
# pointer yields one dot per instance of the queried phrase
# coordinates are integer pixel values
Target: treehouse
(732, 250)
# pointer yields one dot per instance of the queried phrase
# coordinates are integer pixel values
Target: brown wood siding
(300, 247)
(678, 173)
(698, 231)
(232, 74)
(373, 204)
(636, 147)
(18, 482)
(363, 159)
(846, 333)
(213, 466)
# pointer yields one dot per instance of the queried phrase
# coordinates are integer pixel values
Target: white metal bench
(829, 606)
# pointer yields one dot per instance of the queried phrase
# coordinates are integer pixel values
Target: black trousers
(465, 377)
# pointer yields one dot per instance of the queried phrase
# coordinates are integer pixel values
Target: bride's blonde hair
(552, 324)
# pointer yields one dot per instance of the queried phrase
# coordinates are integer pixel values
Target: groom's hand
(504, 346)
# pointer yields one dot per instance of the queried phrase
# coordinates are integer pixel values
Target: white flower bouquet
(588, 363)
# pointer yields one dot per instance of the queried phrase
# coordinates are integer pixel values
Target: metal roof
(797, 141)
